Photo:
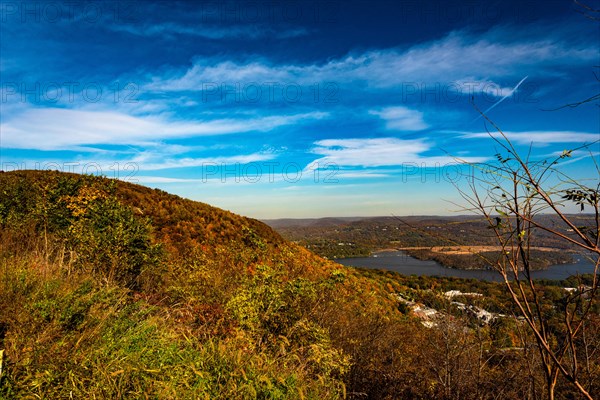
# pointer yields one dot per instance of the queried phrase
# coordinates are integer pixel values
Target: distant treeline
(484, 260)
(358, 238)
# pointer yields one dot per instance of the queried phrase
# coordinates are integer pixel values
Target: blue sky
(297, 108)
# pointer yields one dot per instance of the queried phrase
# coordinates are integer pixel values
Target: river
(404, 264)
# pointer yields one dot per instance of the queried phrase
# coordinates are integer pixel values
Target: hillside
(115, 291)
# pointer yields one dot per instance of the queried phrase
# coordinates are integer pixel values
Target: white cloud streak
(455, 59)
(205, 162)
(401, 118)
(538, 138)
(379, 152)
(170, 30)
(510, 93)
(64, 129)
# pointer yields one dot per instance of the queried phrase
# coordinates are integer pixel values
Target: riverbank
(403, 263)
(481, 257)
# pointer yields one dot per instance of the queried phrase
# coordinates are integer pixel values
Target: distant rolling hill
(426, 237)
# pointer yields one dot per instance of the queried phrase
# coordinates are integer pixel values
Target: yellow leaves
(80, 203)
(301, 393)
(285, 340)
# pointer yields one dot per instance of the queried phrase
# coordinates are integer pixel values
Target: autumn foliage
(112, 290)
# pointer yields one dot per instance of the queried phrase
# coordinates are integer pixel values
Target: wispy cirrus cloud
(378, 152)
(537, 138)
(401, 118)
(157, 161)
(460, 58)
(171, 30)
(56, 128)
